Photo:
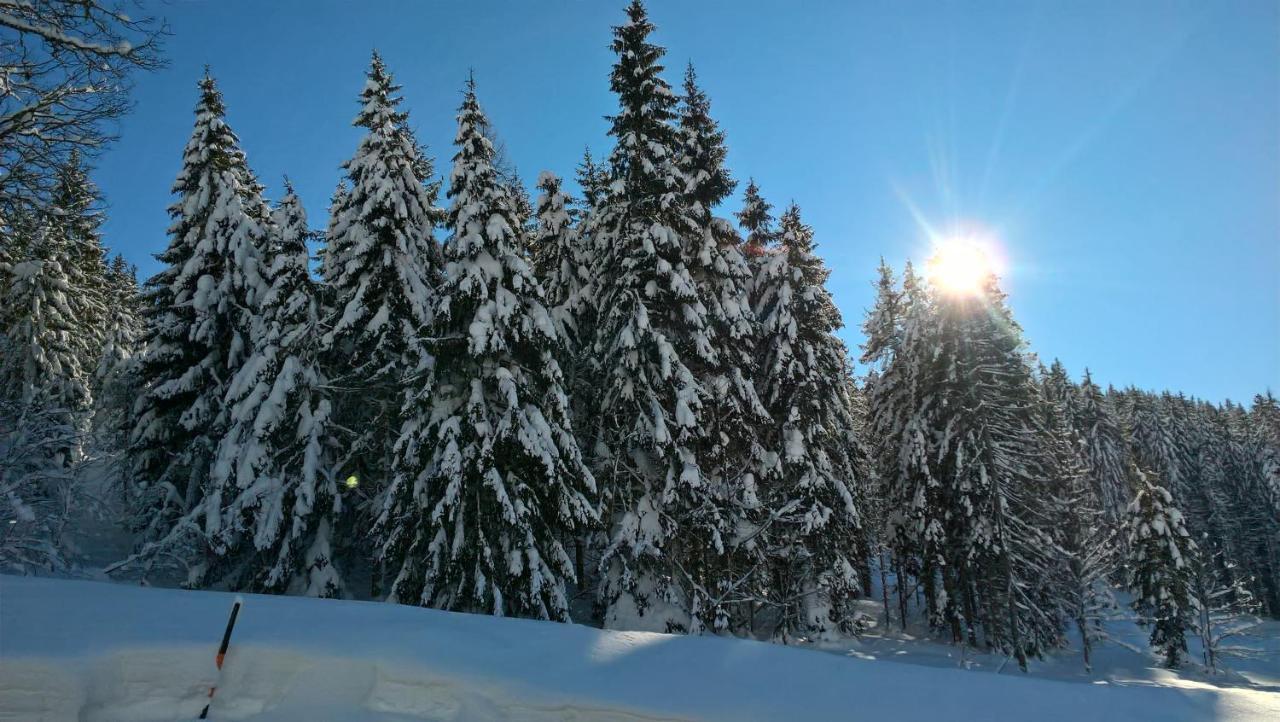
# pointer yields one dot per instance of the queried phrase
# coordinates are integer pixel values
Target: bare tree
(65, 75)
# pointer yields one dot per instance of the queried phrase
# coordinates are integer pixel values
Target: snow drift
(97, 652)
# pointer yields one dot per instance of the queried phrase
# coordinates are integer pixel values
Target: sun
(960, 266)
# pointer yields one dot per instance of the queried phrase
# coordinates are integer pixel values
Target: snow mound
(75, 650)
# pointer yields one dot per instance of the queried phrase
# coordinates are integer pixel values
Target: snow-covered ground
(95, 651)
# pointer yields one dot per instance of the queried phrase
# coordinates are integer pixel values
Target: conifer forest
(616, 398)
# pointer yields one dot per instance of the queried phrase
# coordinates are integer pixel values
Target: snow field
(75, 650)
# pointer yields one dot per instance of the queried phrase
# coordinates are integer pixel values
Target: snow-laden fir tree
(115, 380)
(1106, 450)
(1162, 560)
(1088, 555)
(382, 266)
(561, 265)
(487, 472)
(972, 475)
(668, 533)
(1258, 432)
(818, 548)
(44, 398)
(1225, 607)
(734, 420)
(76, 217)
(43, 365)
(275, 515)
(898, 350)
(757, 221)
(881, 327)
(199, 313)
(593, 180)
(756, 218)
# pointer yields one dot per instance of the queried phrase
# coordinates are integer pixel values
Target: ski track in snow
(77, 650)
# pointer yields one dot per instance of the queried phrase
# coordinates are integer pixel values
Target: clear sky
(1125, 155)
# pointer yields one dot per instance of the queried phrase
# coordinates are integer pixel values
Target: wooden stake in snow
(222, 651)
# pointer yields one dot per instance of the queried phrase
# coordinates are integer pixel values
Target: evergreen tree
(593, 180)
(1225, 608)
(1106, 451)
(76, 217)
(1161, 564)
(44, 396)
(667, 533)
(115, 380)
(1088, 554)
(487, 469)
(817, 535)
(199, 312)
(734, 419)
(897, 351)
(42, 367)
(274, 506)
(562, 267)
(757, 220)
(382, 265)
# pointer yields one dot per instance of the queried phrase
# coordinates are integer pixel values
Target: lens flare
(960, 266)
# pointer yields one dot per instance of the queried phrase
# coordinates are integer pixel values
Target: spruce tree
(1162, 558)
(199, 313)
(44, 397)
(593, 180)
(734, 419)
(897, 349)
(273, 492)
(1088, 554)
(667, 534)
(817, 540)
(1225, 607)
(382, 267)
(115, 380)
(757, 220)
(487, 471)
(561, 265)
(75, 215)
(1106, 451)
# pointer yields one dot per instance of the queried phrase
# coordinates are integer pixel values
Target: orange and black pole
(222, 652)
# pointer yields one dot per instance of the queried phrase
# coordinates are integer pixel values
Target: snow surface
(95, 651)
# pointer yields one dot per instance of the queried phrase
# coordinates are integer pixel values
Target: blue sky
(1124, 155)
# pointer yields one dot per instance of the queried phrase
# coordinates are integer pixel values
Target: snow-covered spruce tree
(1258, 432)
(487, 470)
(974, 475)
(668, 533)
(44, 397)
(756, 219)
(1058, 388)
(881, 326)
(899, 420)
(1087, 541)
(1225, 608)
(274, 508)
(1106, 450)
(559, 262)
(43, 365)
(735, 422)
(1162, 559)
(115, 380)
(198, 312)
(75, 215)
(817, 543)
(383, 265)
(593, 180)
